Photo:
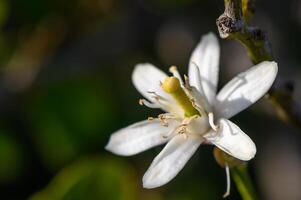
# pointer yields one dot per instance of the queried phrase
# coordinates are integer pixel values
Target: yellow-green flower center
(172, 86)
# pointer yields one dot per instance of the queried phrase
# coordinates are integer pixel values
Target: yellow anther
(173, 69)
(172, 86)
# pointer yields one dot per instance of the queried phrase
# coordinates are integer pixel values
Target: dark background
(65, 86)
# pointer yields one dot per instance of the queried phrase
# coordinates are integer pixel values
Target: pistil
(172, 86)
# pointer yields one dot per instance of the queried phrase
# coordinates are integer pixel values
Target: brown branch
(233, 24)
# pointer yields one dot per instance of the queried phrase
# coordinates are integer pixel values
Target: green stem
(243, 182)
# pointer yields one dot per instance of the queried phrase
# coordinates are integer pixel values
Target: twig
(233, 24)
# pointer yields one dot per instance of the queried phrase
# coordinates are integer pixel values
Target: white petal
(231, 139)
(171, 160)
(206, 58)
(245, 89)
(140, 137)
(147, 78)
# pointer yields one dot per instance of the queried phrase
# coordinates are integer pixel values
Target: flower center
(172, 86)
(195, 125)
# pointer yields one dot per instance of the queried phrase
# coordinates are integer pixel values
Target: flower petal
(147, 78)
(171, 160)
(245, 89)
(140, 137)
(231, 139)
(205, 59)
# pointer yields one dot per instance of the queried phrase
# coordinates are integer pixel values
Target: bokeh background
(65, 86)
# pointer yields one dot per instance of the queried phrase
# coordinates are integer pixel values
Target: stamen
(187, 84)
(182, 129)
(163, 103)
(175, 73)
(160, 100)
(163, 120)
(148, 104)
(150, 118)
(166, 105)
(141, 102)
(156, 96)
(165, 117)
(227, 193)
(211, 122)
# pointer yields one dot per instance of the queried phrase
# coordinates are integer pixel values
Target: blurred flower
(194, 113)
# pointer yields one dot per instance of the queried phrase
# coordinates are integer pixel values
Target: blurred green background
(65, 86)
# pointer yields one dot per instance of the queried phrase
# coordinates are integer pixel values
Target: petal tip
(210, 39)
(271, 64)
(108, 146)
(275, 65)
(111, 147)
(273, 68)
(114, 147)
(249, 155)
(137, 70)
(147, 183)
(210, 35)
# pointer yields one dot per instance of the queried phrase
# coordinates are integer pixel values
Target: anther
(175, 73)
(173, 69)
(163, 119)
(148, 104)
(182, 129)
(141, 102)
(154, 95)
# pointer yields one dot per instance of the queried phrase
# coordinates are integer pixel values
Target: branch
(231, 24)
(248, 9)
(234, 24)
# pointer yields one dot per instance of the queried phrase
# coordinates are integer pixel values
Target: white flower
(194, 113)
